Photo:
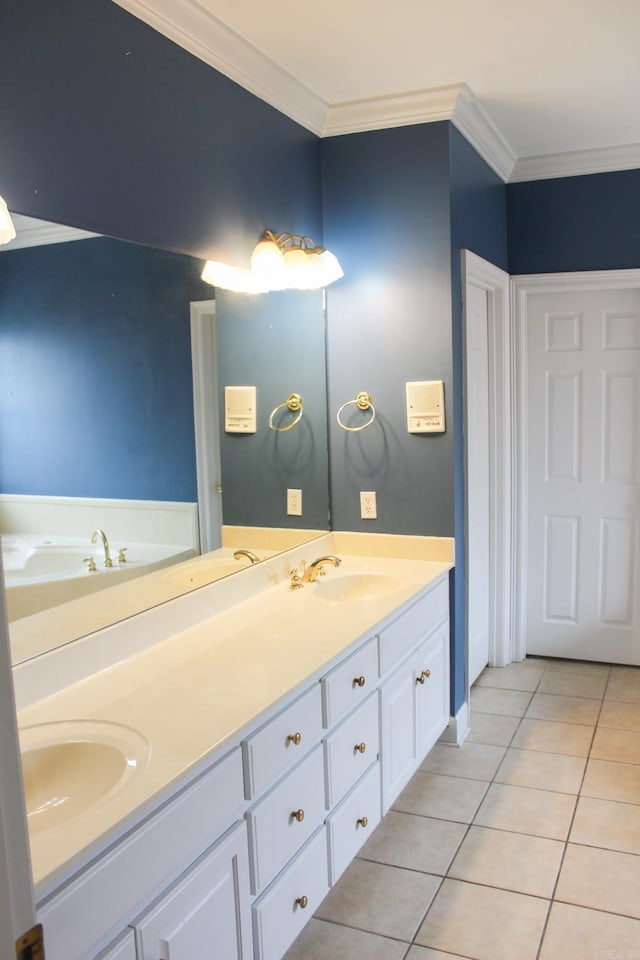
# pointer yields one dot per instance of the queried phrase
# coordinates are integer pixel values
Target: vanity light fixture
(7, 229)
(284, 261)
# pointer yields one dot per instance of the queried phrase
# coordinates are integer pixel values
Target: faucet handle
(91, 568)
(296, 580)
(121, 555)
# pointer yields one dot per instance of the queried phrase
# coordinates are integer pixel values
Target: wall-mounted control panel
(425, 406)
(240, 409)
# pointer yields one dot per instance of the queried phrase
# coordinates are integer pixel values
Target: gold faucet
(108, 562)
(316, 569)
(249, 554)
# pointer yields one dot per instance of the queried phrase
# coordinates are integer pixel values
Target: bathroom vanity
(279, 731)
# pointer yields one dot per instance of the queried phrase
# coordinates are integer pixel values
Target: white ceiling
(547, 77)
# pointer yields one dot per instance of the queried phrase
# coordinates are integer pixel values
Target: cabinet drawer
(125, 949)
(100, 902)
(282, 911)
(349, 683)
(282, 742)
(274, 830)
(351, 748)
(401, 636)
(353, 821)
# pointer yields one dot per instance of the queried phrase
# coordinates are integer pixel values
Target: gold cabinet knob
(302, 902)
(360, 747)
(358, 681)
(297, 815)
(426, 673)
(420, 678)
(295, 738)
(362, 822)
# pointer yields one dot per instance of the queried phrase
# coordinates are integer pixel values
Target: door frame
(522, 287)
(480, 273)
(206, 422)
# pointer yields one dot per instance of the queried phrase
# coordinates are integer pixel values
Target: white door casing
(206, 422)
(488, 464)
(577, 534)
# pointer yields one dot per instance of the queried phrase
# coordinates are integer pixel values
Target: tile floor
(523, 844)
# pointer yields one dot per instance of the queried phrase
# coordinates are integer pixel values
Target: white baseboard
(456, 732)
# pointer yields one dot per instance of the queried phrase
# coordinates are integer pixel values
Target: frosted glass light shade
(231, 278)
(7, 229)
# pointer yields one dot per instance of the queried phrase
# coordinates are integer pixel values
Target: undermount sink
(355, 586)
(70, 767)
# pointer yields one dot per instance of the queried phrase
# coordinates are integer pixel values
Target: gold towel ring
(362, 402)
(293, 403)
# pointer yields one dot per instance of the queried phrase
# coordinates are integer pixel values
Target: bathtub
(42, 572)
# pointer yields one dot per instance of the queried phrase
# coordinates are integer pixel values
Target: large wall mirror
(96, 400)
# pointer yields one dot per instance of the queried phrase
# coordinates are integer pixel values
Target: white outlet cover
(368, 506)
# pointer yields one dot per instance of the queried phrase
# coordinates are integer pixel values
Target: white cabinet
(431, 668)
(125, 949)
(353, 821)
(206, 914)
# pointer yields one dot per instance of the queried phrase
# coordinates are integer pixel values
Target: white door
(579, 425)
(477, 450)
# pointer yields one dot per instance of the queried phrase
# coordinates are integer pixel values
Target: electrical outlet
(294, 503)
(368, 508)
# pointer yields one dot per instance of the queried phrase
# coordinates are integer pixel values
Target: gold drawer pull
(426, 673)
(362, 822)
(302, 902)
(295, 738)
(420, 678)
(358, 681)
(297, 815)
(360, 748)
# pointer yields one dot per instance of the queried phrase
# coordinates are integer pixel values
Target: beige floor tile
(546, 706)
(608, 780)
(483, 923)
(540, 813)
(586, 668)
(426, 953)
(487, 728)
(503, 703)
(601, 879)
(624, 686)
(621, 716)
(543, 771)
(517, 676)
(607, 824)
(512, 861)
(549, 736)
(446, 798)
(477, 761)
(327, 941)
(380, 899)
(620, 745)
(567, 684)
(574, 933)
(417, 843)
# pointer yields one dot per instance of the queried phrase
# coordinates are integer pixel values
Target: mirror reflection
(98, 440)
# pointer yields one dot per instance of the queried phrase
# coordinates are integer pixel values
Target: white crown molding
(473, 122)
(577, 163)
(196, 30)
(34, 233)
(378, 113)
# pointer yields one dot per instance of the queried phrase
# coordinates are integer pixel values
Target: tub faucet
(316, 569)
(108, 562)
(249, 554)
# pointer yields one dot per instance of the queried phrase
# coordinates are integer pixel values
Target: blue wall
(574, 223)
(275, 342)
(386, 216)
(110, 126)
(96, 395)
(478, 223)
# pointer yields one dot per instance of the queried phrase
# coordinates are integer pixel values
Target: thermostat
(240, 409)
(425, 406)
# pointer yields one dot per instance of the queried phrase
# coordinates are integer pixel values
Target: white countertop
(193, 695)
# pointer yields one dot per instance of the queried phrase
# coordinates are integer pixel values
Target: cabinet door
(397, 727)
(125, 950)
(432, 689)
(206, 915)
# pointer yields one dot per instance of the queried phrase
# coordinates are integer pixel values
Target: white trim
(576, 163)
(480, 273)
(34, 233)
(206, 422)
(457, 731)
(473, 122)
(17, 911)
(521, 288)
(421, 106)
